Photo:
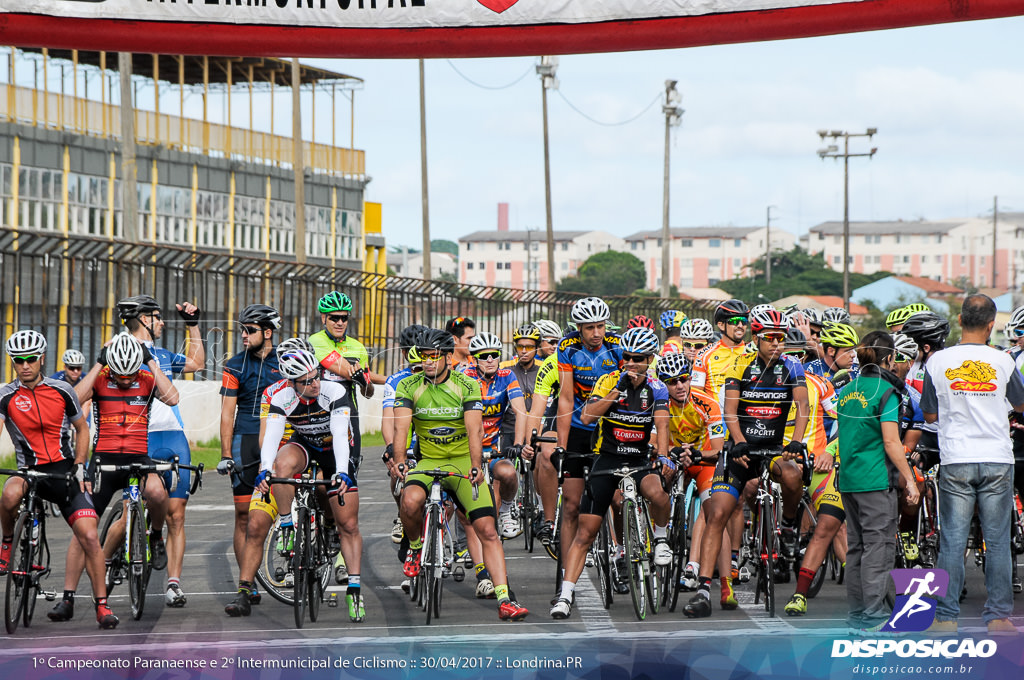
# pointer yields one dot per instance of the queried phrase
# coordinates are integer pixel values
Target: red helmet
(768, 320)
(640, 321)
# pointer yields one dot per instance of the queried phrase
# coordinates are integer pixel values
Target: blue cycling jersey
(587, 367)
(245, 377)
(497, 392)
(161, 416)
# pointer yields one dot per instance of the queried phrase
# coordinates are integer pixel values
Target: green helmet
(897, 317)
(334, 302)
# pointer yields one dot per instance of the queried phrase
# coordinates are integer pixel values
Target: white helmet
(124, 355)
(482, 342)
(836, 315)
(697, 328)
(26, 343)
(760, 308)
(905, 345)
(548, 328)
(296, 363)
(292, 344)
(73, 357)
(1016, 319)
(590, 310)
(639, 340)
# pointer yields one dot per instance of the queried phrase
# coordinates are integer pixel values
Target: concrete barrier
(200, 411)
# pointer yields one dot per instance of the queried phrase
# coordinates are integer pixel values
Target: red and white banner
(454, 28)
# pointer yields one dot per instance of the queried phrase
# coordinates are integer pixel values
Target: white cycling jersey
(319, 423)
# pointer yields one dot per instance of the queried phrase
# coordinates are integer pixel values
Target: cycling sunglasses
(636, 358)
(251, 330)
(1017, 332)
(902, 358)
(694, 345)
(772, 337)
(22, 360)
(738, 321)
(681, 379)
(486, 356)
(430, 354)
(526, 348)
(337, 318)
(309, 381)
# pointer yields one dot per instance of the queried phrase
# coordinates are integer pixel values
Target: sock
(286, 520)
(660, 532)
(803, 581)
(69, 596)
(506, 506)
(245, 586)
(567, 590)
(98, 601)
(171, 581)
(704, 589)
(417, 544)
(481, 571)
(735, 557)
(788, 522)
(7, 539)
(353, 585)
(501, 592)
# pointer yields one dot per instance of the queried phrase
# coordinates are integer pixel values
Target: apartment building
(702, 256)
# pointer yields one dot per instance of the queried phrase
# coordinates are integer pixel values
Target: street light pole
(832, 151)
(673, 117)
(424, 192)
(546, 70)
(768, 245)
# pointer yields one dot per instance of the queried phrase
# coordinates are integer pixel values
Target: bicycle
(30, 552)
(685, 508)
(526, 499)
(133, 561)
(437, 553)
(762, 544)
(638, 541)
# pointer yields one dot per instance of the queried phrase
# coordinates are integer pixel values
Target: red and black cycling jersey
(765, 396)
(39, 420)
(122, 415)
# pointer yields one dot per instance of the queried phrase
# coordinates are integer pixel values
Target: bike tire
(274, 568)
(819, 576)
(555, 545)
(138, 564)
(632, 542)
(41, 559)
(528, 510)
(17, 587)
(768, 553)
(117, 566)
(602, 560)
(317, 565)
(654, 575)
(439, 567)
(428, 563)
(680, 540)
(300, 552)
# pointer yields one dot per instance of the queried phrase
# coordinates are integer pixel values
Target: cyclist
(524, 367)
(142, 316)
(929, 331)
(911, 423)
(760, 389)
(407, 345)
(837, 342)
(695, 335)
(671, 322)
(813, 333)
(463, 330)
(123, 395)
(895, 319)
(445, 408)
(640, 321)
(835, 315)
(695, 425)
(39, 414)
(319, 413)
(709, 369)
(74, 362)
(543, 410)
(550, 334)
(625, 406)
(246, 376)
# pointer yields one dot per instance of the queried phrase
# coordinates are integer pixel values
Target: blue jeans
(990, 485)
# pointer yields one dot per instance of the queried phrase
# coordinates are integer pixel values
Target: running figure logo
(916, 593)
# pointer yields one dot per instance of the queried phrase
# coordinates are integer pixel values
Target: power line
(469, 80)
(647, 108)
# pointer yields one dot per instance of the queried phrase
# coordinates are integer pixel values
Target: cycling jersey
(711, 365)
(915, 379)
(821, 400)
(245, 377)
(39, 420)
(765, 396)
(164, 417)
(587, 366)
(320, 424)
(911, 417)
(673, 345)
(546, 384)
(328, 350)
(625, 428)
(438, 412)
(697, 421)
(122, 415)
(527, 383)
(390, 385)
(62, 375)
(497, 393)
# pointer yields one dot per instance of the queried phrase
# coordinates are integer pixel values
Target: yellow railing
(90, 117)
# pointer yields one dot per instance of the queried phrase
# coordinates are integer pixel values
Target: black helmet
(433, 338)
(135, 306)
(407, 338)
(731, 308)
(927, 328)
(795, 338)
(263, 316)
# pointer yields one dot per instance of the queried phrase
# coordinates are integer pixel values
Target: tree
(440, 245)
(607, 273)
(794, 272)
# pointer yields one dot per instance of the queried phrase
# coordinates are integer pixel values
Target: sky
(948, 102)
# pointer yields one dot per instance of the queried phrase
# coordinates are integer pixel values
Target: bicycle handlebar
(438, 474)
(139, 469)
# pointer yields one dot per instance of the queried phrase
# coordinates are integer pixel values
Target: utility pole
(129, 169)
(832, 151)
(546, 70)
(298, 165)
(423, 174)
(768, 246)
(673, 117)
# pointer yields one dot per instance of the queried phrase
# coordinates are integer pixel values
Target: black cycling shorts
(597, 497)
(579, 441)
(113, 482)
(74, 505)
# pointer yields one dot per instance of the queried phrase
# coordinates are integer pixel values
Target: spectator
(869, 442)
(966, 388)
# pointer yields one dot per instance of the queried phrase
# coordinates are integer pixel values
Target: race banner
(454, 28)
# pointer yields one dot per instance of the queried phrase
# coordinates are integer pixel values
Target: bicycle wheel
(300, 560)
(528, 509)
(819, 576)
(40, 567)
(554, 546)
(117, 567)
(138, 560)
(317, 562)
(680, 539)
(603, 562)
(275, 572)
(632, 542)
(18, 574)
(768, 553)
(429, 567)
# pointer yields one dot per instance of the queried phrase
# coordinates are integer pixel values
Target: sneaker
(406, 585)
(546, 532)
(510, 610)
(797, 605)
(105, 617)
(158, 553)
(340, 570)
(788, 542)
(5, 557)
(562, 609)
(698, 607)
(509, 524)
(690, 581)
(485, 589)
(910, 547)
(590, 560)
(397, 530)
(662, 553)
(619, 576)
(412, 563)
(1002, 627)
(174, 597)
(558, 595)
(64, 611)
(942, 628)
(728, 600)
(356, 611)
(239, 606)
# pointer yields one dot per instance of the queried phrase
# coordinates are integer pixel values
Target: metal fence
(67, 288)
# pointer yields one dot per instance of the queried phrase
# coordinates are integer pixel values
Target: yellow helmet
(838, 335)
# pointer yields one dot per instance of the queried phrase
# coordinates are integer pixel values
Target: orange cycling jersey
(821, 398)
(711, 366)
(38, 420)
(122, 415)
(696, 422)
